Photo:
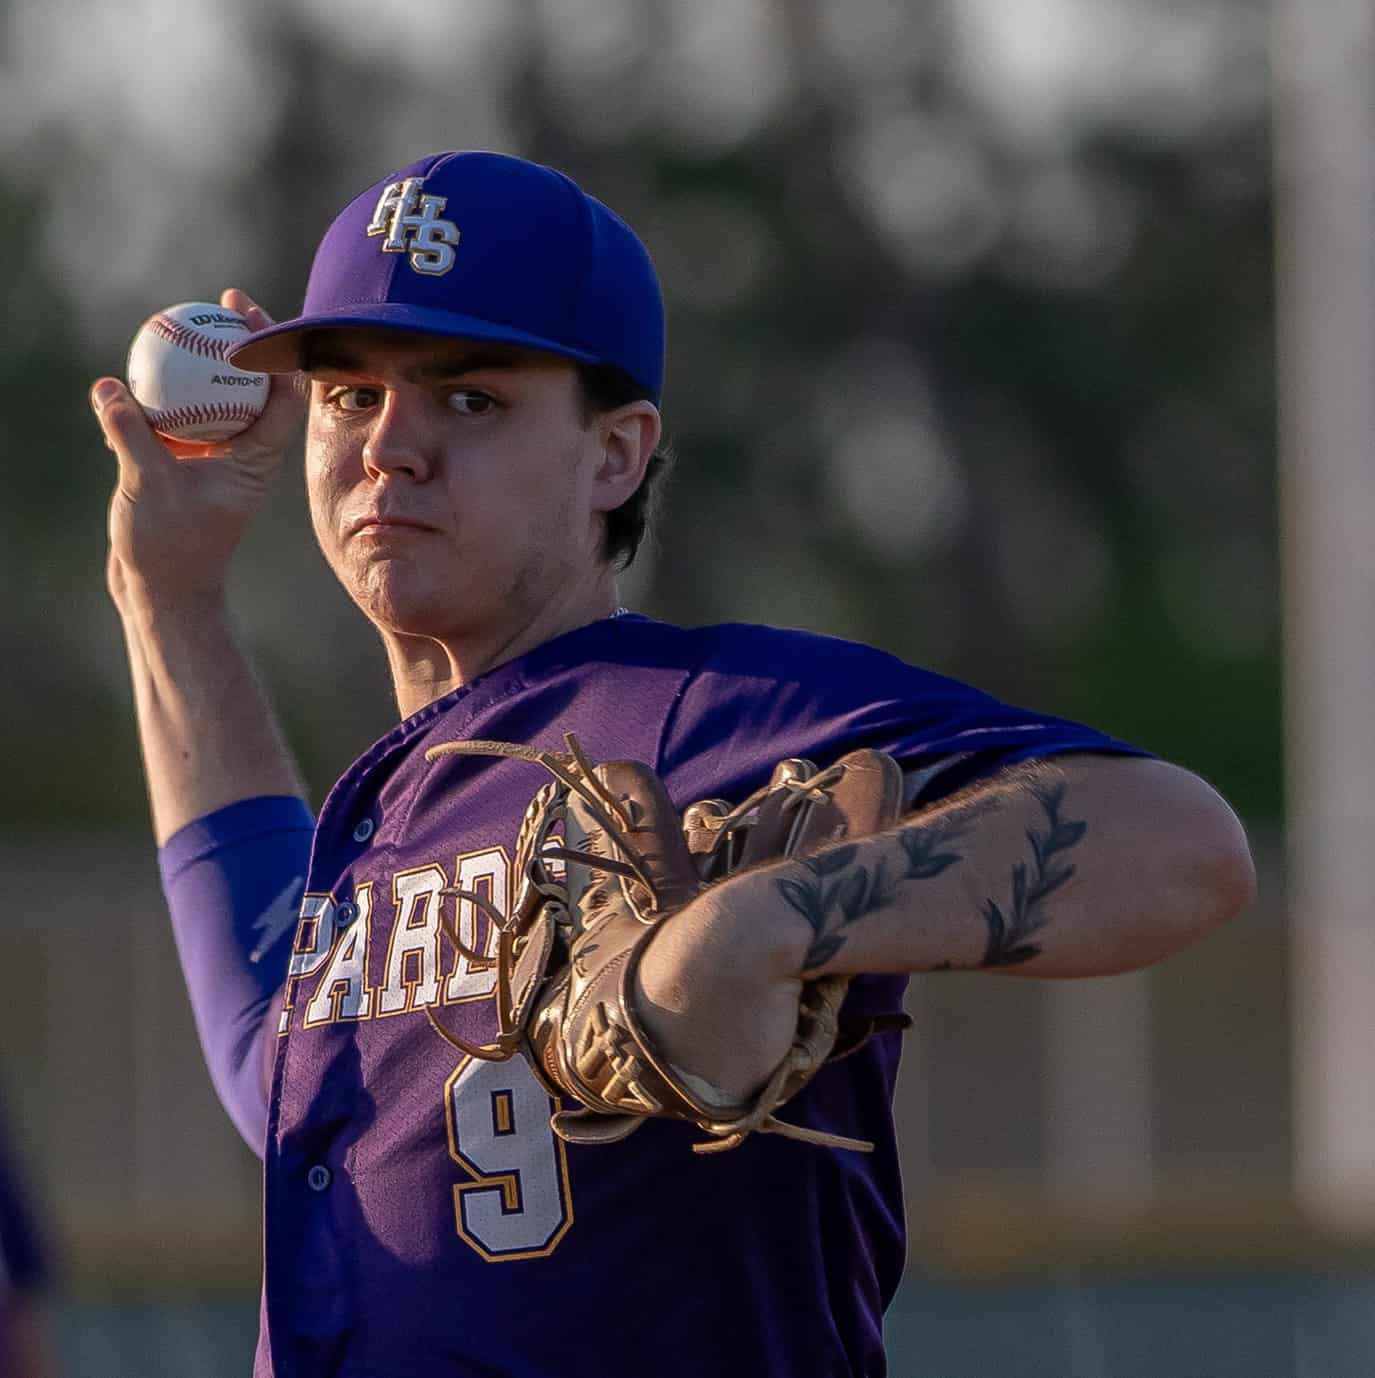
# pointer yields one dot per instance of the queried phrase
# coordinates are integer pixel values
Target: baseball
(178, 373)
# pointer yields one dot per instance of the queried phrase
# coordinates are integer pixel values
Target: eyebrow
(329, 354)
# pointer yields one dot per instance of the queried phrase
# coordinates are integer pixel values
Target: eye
(469, 402)
(343, 398)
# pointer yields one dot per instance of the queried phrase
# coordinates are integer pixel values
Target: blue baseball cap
(482, 246)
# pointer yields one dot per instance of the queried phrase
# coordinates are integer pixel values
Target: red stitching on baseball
(199, 415)
(174, 332)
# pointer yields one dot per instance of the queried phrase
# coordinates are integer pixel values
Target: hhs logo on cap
(412, 226)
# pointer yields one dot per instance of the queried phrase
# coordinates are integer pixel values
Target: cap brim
(278, 348)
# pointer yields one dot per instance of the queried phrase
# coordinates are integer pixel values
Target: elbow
(1217, 873)
(1193, 872)
(1231, 883)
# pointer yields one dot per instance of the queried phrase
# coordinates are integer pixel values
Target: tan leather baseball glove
(568, 950)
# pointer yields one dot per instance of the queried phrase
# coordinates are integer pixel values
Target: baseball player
(483, 346)
(23, 1277)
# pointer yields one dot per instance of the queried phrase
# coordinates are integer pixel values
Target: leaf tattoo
(1008, 933)
(841, 890)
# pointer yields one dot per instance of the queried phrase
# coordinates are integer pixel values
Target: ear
(627, 436)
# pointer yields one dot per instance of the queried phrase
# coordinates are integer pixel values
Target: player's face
(453, 486)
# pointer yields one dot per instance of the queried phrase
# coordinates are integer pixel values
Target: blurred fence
(148, 1185)
(1067, 1325)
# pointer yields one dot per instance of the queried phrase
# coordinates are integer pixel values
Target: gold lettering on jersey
(343, 992)
(409, 220)
(412, 973)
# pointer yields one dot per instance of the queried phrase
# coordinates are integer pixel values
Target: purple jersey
(420, 1215)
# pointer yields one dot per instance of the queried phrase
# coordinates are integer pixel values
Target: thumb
(140, 453)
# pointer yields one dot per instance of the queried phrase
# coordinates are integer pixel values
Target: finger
(140, 451)
(273, 430)
(104, 397)
(235, 299)
(286, 401)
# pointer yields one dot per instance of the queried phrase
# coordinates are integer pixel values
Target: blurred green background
(970, 356)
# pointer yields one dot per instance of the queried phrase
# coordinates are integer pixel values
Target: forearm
(1085, 868)
(208, 735)
(228, 806)
(226, 795)
(234, 881)
(1079, 867)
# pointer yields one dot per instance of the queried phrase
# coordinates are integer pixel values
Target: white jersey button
(362, 830)
(318, 1178)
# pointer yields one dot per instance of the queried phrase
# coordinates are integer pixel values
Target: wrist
(742, 925)
(145, 603)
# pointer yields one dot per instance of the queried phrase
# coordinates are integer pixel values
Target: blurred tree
(990, 390)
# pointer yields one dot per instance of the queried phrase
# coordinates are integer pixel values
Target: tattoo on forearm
(838, 891)
(1008, 933)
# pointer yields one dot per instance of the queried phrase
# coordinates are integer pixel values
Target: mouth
(384, 524)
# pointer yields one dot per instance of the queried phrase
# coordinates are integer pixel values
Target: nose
(401, 439)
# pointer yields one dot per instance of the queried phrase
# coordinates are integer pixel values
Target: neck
(425, 668)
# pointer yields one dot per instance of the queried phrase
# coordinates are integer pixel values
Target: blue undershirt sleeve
(233, 881)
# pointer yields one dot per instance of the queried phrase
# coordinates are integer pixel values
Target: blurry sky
(162, 103)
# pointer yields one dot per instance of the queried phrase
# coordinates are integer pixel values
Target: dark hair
(603, 388)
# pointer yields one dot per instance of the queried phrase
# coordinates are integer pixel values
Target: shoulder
(758, 694)
(756, 656)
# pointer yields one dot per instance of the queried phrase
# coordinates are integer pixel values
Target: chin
(400, 608)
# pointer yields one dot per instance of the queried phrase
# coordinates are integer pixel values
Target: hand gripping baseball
(568, 951)
(174, 524)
